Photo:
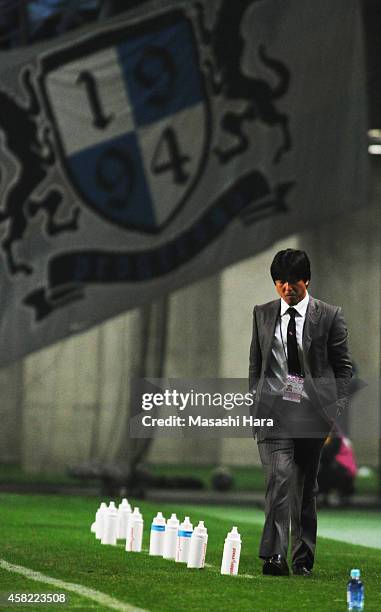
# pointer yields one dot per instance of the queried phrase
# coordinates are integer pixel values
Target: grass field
(51, 535)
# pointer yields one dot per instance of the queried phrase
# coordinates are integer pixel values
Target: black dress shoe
(301, 570)
(276, 566)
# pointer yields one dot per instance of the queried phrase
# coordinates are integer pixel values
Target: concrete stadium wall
(193, 351)
(11, 408)
(74, 398)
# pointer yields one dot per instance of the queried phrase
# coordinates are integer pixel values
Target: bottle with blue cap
(355, 591)
(156, 545)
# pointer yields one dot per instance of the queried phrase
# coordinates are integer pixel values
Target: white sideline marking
(101, 598)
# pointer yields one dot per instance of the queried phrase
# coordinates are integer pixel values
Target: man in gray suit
(300, 371)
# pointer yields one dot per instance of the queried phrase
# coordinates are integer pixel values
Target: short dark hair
(291, 265)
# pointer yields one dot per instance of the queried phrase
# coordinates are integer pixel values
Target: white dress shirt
(278, 362)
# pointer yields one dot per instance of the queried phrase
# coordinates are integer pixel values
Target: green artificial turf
(51, 534)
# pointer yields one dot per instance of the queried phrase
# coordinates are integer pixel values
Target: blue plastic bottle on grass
(355, 591)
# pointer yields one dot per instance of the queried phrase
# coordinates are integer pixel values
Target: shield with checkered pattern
(125, 104)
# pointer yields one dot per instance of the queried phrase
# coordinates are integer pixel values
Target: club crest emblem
(125, 140)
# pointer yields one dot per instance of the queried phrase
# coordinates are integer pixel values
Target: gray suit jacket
(327, 363)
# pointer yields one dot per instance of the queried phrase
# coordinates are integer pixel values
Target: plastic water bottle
(197, 549)
(100, 520)
(184, 535)
(232, 551)
(124, 511)
(93, 527)
(134, 537)
(110, 530)
(156, 543)
(355, 591)
(170, 538)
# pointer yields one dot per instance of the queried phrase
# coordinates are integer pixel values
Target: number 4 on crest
(167, 156)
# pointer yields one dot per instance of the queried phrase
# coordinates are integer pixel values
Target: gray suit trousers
(291, 466)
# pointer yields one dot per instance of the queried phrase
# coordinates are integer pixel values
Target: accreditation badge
(293, 389)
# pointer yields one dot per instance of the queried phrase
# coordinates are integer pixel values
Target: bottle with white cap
(197, 548)
(124, 511)
(232, 551)
(93, 527)
(156, 544)
(134, 532)
(170, 537)
(110, 530)
(100, 520)
(183, 540)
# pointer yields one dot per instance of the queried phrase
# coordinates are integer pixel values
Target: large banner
(149, 151)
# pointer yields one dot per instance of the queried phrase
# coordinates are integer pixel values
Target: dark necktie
(292, 345)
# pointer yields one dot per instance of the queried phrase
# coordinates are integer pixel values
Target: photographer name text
(200, 421)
